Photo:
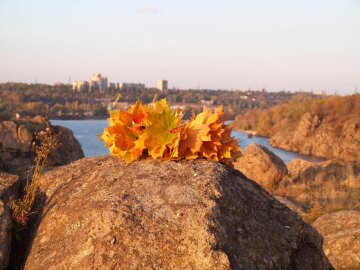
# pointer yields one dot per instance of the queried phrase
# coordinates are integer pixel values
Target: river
(86, 132)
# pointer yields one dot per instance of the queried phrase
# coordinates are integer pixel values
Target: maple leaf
(119, 117)
(161, 129)
(208, 136)
(123, 132)
(192, 137)
(137, 112)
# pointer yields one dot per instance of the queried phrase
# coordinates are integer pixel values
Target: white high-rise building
(98, 82)
(162, 85)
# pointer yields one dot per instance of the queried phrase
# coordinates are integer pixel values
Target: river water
(86, 132)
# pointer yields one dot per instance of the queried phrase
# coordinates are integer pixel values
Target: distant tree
(100, 112)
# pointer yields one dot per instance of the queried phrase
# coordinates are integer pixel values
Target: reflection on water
(86, 132)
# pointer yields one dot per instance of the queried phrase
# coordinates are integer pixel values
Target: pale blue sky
(224, 44)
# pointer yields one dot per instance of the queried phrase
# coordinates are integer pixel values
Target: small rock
(261, 165)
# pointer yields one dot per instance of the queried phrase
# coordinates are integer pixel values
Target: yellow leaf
(161, 130)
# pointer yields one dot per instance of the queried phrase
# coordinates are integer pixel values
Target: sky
(229, 44)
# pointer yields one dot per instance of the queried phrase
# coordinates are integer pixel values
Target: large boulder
(17, 136)
(69, 150)
(261, 165)
(9, 188)
(341, 232)
(100, 213)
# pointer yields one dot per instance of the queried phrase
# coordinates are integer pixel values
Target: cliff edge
(322, 137)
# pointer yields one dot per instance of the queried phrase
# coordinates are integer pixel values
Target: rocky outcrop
(9, 187)
(16, 137)
(345, 173)
(261, 165)
(341, 232)
(322, 137)
(102, 214)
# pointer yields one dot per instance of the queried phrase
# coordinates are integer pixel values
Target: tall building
(162, 85)
(98, 82)
(80, 85)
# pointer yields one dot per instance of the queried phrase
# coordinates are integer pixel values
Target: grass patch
(44, 144)
(323, 192)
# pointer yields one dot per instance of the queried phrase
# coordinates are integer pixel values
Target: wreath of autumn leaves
(157, 131)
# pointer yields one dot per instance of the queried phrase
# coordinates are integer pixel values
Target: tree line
(62, 102)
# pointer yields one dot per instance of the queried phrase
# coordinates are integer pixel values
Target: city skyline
(207, 44)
